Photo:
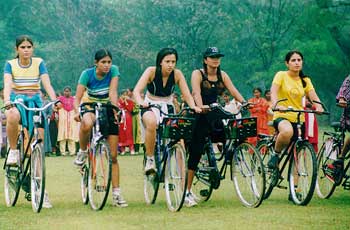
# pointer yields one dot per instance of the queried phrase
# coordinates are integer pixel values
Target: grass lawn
(222, 211)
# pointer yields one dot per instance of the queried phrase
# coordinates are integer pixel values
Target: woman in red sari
(126, 138)
(259, 110)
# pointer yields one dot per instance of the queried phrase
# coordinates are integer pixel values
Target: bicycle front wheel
(37, 169)
(84, 184)
(100, 173)
(324, 186)
(248, 176)
(302, 173)
(271, 175)
(175, 177)
(150, 184)
(202, 182)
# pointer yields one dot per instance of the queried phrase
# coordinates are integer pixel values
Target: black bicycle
(96, 173)
(29, 173)
(170, 159)
(301, 156)
(329, 176)
(246, 166)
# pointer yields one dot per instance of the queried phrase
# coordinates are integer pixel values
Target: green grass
(222, 211)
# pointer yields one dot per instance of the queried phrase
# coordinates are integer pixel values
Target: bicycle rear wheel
(201, 185)
(37, 169)
(248, 176)
(100, 173)
(151, 183)
(12, 183)
(84, 184)
(175, 177)
(324, 186)
(271, 175)
(302, 173)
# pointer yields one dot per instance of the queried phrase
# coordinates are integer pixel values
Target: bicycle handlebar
(159, 107)
(291, 109)
(94, 104)
(17, 102)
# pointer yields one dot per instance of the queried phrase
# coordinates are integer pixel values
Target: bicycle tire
(201, 185)
(12, 183)
(247, 175)
(175, 177)
(151, 183)
(100, 173)
(84, 184)
(37, 172)
(271, 175)
(302, 173)
(324, 186)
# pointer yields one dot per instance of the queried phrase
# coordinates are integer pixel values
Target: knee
(286, 134)
(12, 116)
(114, 159)
(86, 126)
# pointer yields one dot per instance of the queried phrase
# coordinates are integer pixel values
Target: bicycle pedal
(282, 187)
(346, 183)
(28, 196)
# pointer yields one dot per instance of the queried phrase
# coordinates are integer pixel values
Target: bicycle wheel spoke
(248, 175)
(99, 177)
(175, 177)
(37, 177)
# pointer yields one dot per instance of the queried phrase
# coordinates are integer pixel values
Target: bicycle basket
(241, 128)
(177, 127)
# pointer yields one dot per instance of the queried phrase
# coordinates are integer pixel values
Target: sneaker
(81, 157)
(46, 202)
(273, 162)
(150, 167)
(12, 158)
(195, 197)
(118, 200)
(190, 200)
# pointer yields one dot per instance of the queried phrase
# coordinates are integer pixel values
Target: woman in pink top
(67, 126)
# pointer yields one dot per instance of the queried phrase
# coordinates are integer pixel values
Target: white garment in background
(233, 107)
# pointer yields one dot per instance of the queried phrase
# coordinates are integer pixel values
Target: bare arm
(142, 83)
(7, 87)
(78, 96)
(113, 91)
(196, 80)
(231, 88)
(45, 79)
(181, 81)
(313, 97)
(274, 91)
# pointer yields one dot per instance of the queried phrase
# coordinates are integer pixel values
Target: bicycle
(246, 165)
(328, 177)
(170, 159)
(96, 173)
(300, 155)
(29, 173)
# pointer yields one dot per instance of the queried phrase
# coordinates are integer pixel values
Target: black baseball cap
(212, 52)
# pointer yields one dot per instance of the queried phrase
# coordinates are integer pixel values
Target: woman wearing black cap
(207, 84)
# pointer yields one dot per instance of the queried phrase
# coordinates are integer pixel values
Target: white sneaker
(12, 157)
(195, 197)
(118, 200)
(150, 167)
(46, 202)
(81, 157)
(189, 200)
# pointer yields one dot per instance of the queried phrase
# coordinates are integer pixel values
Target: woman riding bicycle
(22, 77)
(292, 85)
(160, 81)
(207, 84)
(100, 84)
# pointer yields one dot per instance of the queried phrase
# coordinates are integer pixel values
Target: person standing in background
(67, 126)
(258, 109)
(126, 139)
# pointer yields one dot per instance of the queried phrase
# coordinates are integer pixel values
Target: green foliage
(254, 35)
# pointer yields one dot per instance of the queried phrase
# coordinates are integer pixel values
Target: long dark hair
(160, 56)
(301, 74)
(21, 39)
(101, 53)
